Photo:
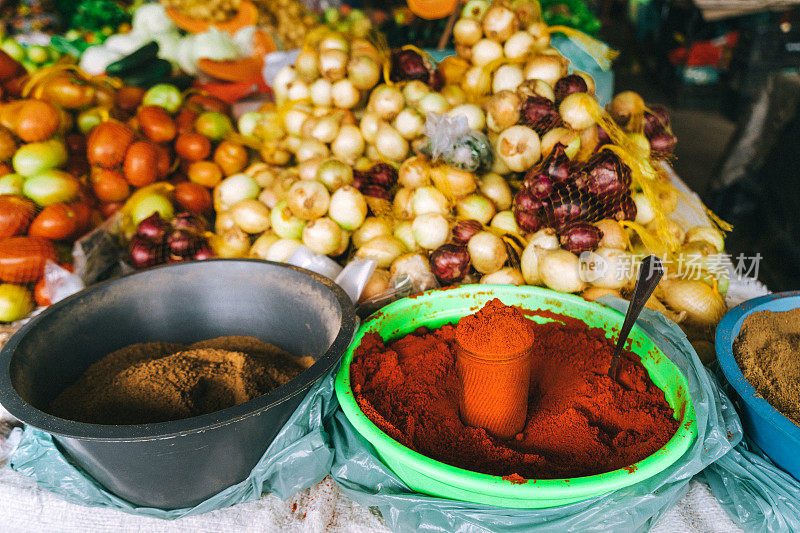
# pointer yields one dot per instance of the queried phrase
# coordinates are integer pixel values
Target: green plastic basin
(426, 475)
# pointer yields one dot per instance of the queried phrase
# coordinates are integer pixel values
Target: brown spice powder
(768, 353)
(158, 382)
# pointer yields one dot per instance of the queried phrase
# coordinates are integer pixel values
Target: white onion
(417, 268)
(476, 120)
(409, 123)
(430, 230)
(644, 209)
(414, 91)
(384, 249)
(293, 120)
(344, 243)
(499, 23)
(322, 236)
(453, 94)
(334, 41)
(540, 33)
(268, 197)
(529, 263)
(235, 188)
(333, 174)
(364, 72)
(706, 234)
(433, 103)
(307, 64)
(574, 109)
(702, 304)
(452, 181)
(475, 207)
(224, 221)
(325, 129)
(536, 88)
(477, 81)
(559, 270)
(298, 90)
(348, 144)
(505, 276)
(377, 283)
(547, 68)
(608, 268)
(372, 153)
(333, 64)
(348, 208)
(262, 245)
(308, 199)
(345, 95)
(415, 172)
(519, 45)
(371, 228)
(507, 78)
(505, 221)
(282, 250)
(403, 205)
(502, 110)
(250, 215)
(280, 85)
(428, 200)
(569, 138)
(369, 125)
(262, 173)
(518, 147)
(496, 188)
(545, 238)
(487, 252)
(284, 223)
(614, 235)
(467, 31)
(311, 149)
(386, 102)
(404, 231)
(390, 144)
(485, 51)
(232, 243)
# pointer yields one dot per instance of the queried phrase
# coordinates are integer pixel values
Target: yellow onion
(567, 137)
(559, 270)
(505, 221)
(371, 228)
(496, 188)
(384, 249)
(593, 293)
(614, 235)
(322, 236)
(262, 245)
(282, 250)
(377, 283)
(415, 172)
(485, 51)
(706, 234)
(505, 276)
(519, 45)
(704, 306)
(547, 68)
(575, 110)
(467, 31)
(348, 207)
(232, 243)
(487, 252)
(518, 147)
(250, 215)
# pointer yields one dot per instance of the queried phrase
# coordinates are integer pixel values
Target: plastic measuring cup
(494, 390)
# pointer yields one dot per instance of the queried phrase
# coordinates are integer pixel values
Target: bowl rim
(575, 488)
(62, 427)
(723, 343)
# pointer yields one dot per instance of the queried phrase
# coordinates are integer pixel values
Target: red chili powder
(495, 330)
(579, 421)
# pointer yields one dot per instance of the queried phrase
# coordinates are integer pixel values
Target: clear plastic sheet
(299, 457)
(364, 478)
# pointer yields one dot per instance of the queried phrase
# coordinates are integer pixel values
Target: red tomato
(205, 173)
(108, 143)
(231, 157)
(37, 120)
(193, 197)
(185, 120)
(16, 214)
(129, 98)
(55, 222)
(192, 146)
(163, 161)
(41, 295)
(141, 164)
(83, 217)
(156, 123)
(109, 185)
(22, 259)
(110, 208)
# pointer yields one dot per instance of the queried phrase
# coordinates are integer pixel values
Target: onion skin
(153, 228)
(540, 114)
(464, 230)
(181, 242)
(408, 65)
(450, 263)
(568, 85)
(383, 174)
(581, 237)
(526, 220)
(143, 253)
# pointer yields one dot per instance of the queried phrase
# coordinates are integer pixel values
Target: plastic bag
(450, 140)
(581, 60)
(299, 457)
(364, 478)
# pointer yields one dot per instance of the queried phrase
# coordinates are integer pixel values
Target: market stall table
(323, 507)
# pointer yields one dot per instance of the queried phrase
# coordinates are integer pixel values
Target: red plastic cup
(494, 390)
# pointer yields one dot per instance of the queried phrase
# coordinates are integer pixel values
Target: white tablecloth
(25, 507)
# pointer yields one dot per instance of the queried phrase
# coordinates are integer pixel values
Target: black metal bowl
(176, 464)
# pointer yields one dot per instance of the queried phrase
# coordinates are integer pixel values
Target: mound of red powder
(579, 421)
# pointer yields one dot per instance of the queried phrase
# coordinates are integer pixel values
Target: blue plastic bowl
(778, 436)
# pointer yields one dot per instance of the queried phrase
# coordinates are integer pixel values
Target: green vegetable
(164, 95)
(34, 158)
(51, 187)
(11, 184)
(96, 15)
(139, 59)
(15, 302)
(147, 205)
(156, 71)
(38, 54)
(13, 48)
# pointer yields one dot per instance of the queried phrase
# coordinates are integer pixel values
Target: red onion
(605, 174)
(153, 228)
(376, 191)
(463, 230)
(181, 242)
(602, 137)
(541, 187)
(203, 251)
(581, 237)
(623, 208)
(526, 201)
(527, 221)
(409, 65)
(144, 253)
(360, 178)
(556, 165)
(568, 85)
(450, 263)
(566, 205)
(383, 174)
(190, 222)
(540, 114)
(436, 80)
(656, 121)
(663, 142)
